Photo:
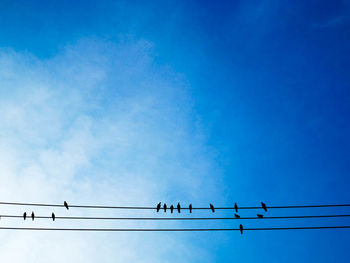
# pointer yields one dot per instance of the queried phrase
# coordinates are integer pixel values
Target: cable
(182, 208)
(174, 218)
(169, 229)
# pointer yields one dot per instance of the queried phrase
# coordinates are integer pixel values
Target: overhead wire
(171, 229)
(177, 218)
(182, 208)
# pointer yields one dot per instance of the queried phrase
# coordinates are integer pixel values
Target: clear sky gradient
(136, 102)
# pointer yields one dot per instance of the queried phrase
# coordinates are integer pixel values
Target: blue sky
(127, 102)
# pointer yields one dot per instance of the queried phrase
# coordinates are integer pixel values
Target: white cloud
(99, 123)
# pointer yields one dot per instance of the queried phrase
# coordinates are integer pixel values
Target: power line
(176, 218)
(170, 229)
(182, 208)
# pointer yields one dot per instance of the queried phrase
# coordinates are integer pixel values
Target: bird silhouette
(259, 215)
(212, 208)
(171, 208)
(53, 216)
(66, 205)
(264, 206)
(24, 215)
(237, 216)
(164, 207)
(236, 207)
(190, 207)
(158, 206)
(178, 207)
(33, 216)
(241, 229)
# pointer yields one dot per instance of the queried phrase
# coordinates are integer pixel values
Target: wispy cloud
(332, 22)
(98, 123)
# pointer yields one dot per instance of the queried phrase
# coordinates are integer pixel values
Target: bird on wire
(241, 229)
(171, 208)
(66, 205)
(33, 216)
(259, 215)
(236, 207)
(237, 216)
(212, 208)
(158, 206)
(53, 216)
(178, 208)
(164, 207)
(190, 207)
(24, 215)
(264, 206)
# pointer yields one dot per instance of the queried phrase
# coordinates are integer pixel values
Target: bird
(158, 206)
(171, 208)
(241, 229)
(190, 207)
(212, 208)
(33, 216)
(237, 216)
(236, 207)
(53, 216)
(65, 205)
(264, 206)
(178, 207)
(164, 207)
(24, 215)
(259, 215)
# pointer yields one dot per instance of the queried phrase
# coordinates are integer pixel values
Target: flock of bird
(165, 207)
(212, 208)
(53, 216)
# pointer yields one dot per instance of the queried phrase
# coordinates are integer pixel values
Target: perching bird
(171, 208)
(237, 216)
(164, 207)
(32, 216)
(25, 215)
(264, 206)
(53, 217)
(158, 206)
(212, 208)
(259, 215)
(190, 207)
(178, 207)
(241, 229)
(65, 205)
(236, 207)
